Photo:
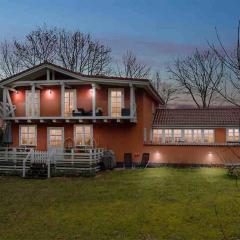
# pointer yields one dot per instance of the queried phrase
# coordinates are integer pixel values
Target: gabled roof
(211, 117)
(82, 77)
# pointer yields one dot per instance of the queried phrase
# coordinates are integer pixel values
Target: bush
(234, 171)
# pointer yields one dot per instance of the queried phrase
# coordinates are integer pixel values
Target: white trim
(27, 104)
(227, 134)
(109, 100)
(48, 136)
(91, 133)
(20, 136)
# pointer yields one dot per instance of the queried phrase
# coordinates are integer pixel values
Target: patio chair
(145, 160)
(128, 163)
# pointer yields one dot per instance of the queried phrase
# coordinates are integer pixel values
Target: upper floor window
(28, 135)
(188, 135)
(208, 135)
(233, 135)
(197, 135)
(69, 102)
(36, 108)
(116, 100)
(83, 135)
(157, 136)
(177, 135)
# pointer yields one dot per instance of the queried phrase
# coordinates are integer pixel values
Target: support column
(33, 101)
(62, 99)
(132, 101)
(48, 74)
(93, 100)
(4, 102)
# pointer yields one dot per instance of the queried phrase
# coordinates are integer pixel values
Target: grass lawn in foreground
(160, 203)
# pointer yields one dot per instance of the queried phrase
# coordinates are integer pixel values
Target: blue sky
(157, 31)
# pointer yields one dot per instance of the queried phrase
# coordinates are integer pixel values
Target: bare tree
(132, 67)
(38, 47)
(167, 90)
(230, 88)
(9, 62)
(79, 52)
(199, 76)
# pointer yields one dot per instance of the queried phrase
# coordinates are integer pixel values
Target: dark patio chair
(128, 163)
(145, 160)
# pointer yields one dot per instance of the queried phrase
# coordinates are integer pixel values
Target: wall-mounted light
(16, 92)
(50, 91)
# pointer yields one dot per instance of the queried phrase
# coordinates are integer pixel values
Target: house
(52, 108)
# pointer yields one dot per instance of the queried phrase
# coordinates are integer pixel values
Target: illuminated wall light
(16, 92)
(50, 91)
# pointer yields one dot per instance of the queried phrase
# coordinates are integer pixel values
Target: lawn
(160, 203)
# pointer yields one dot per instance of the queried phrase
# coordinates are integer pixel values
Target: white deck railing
(19, 160)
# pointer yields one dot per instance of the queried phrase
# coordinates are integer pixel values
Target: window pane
(28, 135)
(116, 103)
(177, 135)
(157, 136)
(168, 135)
(188, 135)
(83, 135)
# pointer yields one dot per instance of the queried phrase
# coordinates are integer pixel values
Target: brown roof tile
(227, 116)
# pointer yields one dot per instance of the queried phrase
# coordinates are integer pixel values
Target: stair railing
(28, 157)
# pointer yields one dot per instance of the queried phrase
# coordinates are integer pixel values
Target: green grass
(161, 203)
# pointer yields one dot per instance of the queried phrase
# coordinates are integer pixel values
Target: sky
(158, 31)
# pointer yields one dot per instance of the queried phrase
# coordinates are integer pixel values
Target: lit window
(28, 135)
(56, 137)
(177, 135)
(83, 135)
(116, 102)
(197, 135)
(157, 136)
(188, 135)
(29, 103)
(168, 135)
(69, 102)
(208, 135)
(233, 135)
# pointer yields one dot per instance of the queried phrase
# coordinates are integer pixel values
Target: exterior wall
(18, 99)
(220, 135)
(216, 155)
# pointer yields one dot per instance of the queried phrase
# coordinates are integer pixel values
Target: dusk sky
(157, 31)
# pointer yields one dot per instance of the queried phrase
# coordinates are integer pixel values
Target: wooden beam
(67, 121)
(118, 120)
(33, 100)
(4, 102)
(48, 74)
(54, 120)
(80, 120)
(29, 120)
(42, 121)
(62, 99)
(39, 86)
(94, 100)
(105, 120)
(10, 104)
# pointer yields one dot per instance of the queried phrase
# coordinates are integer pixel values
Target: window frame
(227, 134)
(48, 136)
(20, 135)
(28, 104)
(74, 100)
(91, 134)
(110, 102)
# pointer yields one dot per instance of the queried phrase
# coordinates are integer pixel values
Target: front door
(56, 139)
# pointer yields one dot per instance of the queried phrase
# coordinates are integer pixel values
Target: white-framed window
(188, 135)
(29, 103)
(157, 136)
(69, 101)
(177, 135)
(233, 135)
(197, 135)
(208, 135)
(55, 137)
(116, 101)
(168, 136)
(28, 135)
(83, 135)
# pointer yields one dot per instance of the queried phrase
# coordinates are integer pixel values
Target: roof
(97, 78)
(211, 117)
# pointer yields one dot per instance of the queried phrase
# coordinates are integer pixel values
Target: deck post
(62, 99)
(33, 101)
(93, 100)
(4, 102)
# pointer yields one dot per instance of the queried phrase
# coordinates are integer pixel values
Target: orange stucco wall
(220, 135)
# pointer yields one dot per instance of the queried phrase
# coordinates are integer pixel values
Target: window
(188, 135)
(208, 135)
(28, 135)
(177, 135)
(197, 135)
(116, 102)
(168, 135)
(157, 136)
(69, 102)
(29, 103)
(83, 135)
(233, 135)
(56, 137)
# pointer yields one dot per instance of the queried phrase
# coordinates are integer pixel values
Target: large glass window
(116, 102)
(83, 135)
(168, 135)
(188, 135)
(28, 135)
(197, 135)
(29, 103)
(208, 135)
(56, 137)
(177, 135)
(233, 135)
(157, 136)
(69, 102)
